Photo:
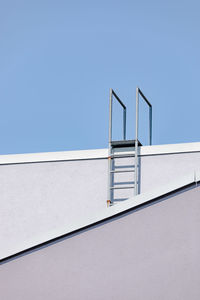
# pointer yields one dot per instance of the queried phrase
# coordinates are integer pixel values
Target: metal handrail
(112, 93)
(139, 92)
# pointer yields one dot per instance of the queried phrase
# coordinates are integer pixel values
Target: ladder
(124, 150)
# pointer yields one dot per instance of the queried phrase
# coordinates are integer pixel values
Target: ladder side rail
(124, 123)
(136, 141)
(112, 93)
(109, 196)
(150, 125)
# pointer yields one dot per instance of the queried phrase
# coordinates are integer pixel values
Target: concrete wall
(150, 253)
(40, 200)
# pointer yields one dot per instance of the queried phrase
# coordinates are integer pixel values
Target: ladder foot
(109, 203)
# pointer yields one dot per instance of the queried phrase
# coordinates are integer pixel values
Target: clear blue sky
(58, 60)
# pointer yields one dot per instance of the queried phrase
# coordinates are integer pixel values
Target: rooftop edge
(95, 153)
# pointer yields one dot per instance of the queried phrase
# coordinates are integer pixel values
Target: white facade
(47, 195)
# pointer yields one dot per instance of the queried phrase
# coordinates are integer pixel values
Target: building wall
(38, 200)
(149, 253)
(157, 170)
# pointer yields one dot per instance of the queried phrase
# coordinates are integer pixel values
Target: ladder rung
(124, 171)
(122, 156)
(121, 187)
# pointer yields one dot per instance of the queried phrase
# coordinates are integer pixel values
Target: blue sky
(58, 60)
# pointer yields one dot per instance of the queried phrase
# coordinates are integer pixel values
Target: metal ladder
(128, 149)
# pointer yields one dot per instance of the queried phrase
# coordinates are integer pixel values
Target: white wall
(39, 201)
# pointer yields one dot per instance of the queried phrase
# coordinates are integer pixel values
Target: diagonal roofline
(113, 211)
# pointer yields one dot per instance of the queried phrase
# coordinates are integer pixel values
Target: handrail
(122, 104)
(139, 92)
(112, 93)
